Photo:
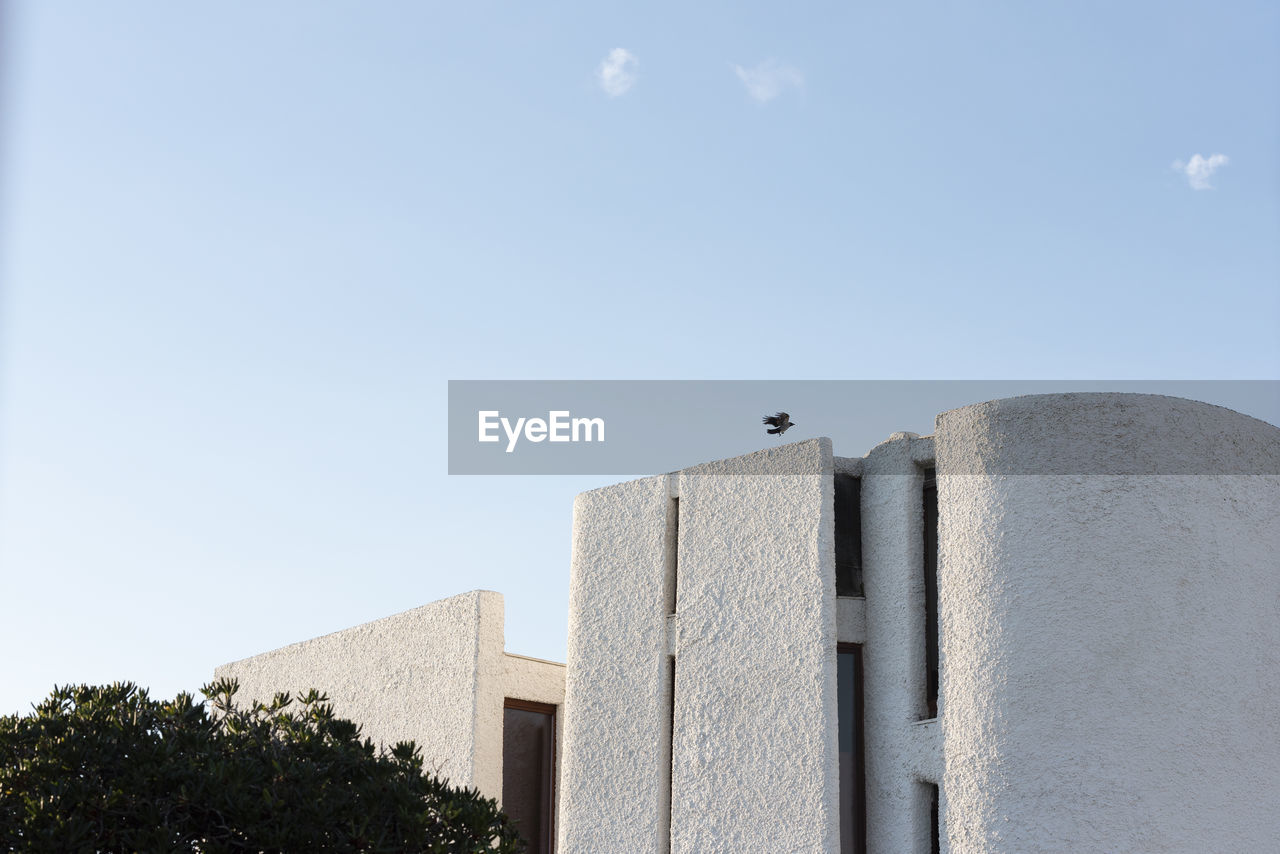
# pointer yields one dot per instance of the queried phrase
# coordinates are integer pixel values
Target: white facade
(731, 581)
(1108, 613)
(1109, 640)
(436, 675)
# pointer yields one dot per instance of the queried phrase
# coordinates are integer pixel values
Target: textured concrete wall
(490, 664)
(533, 679)
(1110, 642)
(753, 765)
(756, 763)
(437, 675)
(902, 751)
(418, 675)
(614, 777)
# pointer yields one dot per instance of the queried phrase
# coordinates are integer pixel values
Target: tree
(106, 768)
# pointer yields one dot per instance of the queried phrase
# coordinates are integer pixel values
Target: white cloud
(767, 80)
(1200, 169)
(617, 74)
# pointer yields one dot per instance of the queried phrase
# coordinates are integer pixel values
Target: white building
(438, 675)
(1061, 633)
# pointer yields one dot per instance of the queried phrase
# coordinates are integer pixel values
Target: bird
(780, 423)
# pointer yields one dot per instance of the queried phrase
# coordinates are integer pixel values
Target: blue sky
(245, 246)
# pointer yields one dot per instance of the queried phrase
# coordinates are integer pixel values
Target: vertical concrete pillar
(756, 762)
(1111, 626)
(487, 695)
(900, 750)
(615, 772)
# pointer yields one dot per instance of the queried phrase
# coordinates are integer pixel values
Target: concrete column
(617, 701)
(1111, 626)
(756, 762)
(901, 752)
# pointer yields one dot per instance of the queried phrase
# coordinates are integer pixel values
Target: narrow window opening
(670, 755)
(848, 508)
(671, 588)
(935, 829)
(931, 591)
(671, 556)
(528, 771)
(853, 785)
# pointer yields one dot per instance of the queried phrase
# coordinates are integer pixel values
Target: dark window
(853, 785)
(931, 591)
(668, 757)
(672, 573)
(670, 567)
(935, 827)
(528, 770)
(848, 535)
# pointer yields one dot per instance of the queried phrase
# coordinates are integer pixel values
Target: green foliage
(109, 769)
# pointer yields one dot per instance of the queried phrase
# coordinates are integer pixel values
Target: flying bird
(780, 423)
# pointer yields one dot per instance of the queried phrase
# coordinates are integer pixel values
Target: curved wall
(1110, 625)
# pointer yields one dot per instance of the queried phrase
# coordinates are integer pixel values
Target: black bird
(780, 423)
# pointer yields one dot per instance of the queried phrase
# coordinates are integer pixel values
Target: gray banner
(642, 427)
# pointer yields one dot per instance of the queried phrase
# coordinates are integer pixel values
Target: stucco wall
(615, 778)
(415, 675)
(1109, 637)
(753, 764)
(903, 752)
(535, 679)
(755, 755)
(1110, 642)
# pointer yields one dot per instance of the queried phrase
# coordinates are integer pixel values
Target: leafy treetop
(108, 769)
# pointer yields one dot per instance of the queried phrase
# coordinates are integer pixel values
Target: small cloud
(767, 80)
(1200, 169)
(617, 74)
